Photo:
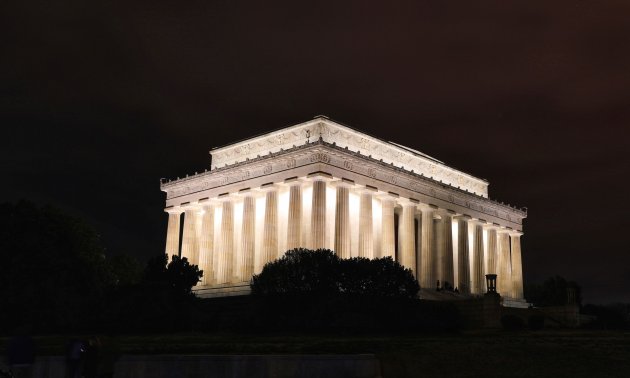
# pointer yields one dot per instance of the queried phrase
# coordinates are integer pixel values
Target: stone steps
(222, 290)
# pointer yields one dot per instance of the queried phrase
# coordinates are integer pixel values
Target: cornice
(320, 152)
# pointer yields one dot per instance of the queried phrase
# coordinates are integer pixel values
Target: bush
(302, 271)
(299, 271)
(377, 277)
(554, 291)
(512, 323)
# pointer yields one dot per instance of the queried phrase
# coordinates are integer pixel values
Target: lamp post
(491, 283)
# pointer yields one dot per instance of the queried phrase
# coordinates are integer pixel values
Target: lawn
(562, 353)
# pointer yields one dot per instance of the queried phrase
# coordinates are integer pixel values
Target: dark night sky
(99, 100)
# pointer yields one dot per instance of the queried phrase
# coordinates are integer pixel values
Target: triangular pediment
(329, 131)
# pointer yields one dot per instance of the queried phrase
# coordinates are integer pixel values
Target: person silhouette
(74, 358)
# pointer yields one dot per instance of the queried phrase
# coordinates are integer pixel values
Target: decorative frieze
(320, 152)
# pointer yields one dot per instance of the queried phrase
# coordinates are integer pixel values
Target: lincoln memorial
(320, 184)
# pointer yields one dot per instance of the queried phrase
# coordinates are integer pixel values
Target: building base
(515, 303)
(222, 290)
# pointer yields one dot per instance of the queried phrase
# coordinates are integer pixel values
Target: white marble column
(172, 233)
(248, 237)
(318, 215)
(388, 232)
(446, 250)
(295, 216)
(225, 262)
(463, 261)
(366, 237)
(438, 236)
(206, 245)
(408, 237)
(342, 221)
(491, 256)
(427, 276)
(504, 279)
(190, 241)
(478, 274)
(517, 266)
(269, 249)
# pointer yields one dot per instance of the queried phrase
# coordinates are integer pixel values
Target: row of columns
(432, 250)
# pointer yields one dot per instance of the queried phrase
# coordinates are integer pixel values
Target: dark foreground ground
(467, 354)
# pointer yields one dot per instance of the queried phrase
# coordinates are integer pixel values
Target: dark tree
(381, 277)
(182, 275)
(126, 269)
(179, 275)
(302, 271)
(53, 269)
(161, 301)
(554, 291)
(299, 271)
(155, 270)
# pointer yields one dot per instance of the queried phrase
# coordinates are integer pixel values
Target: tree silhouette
(299, 271)
(304, 271)
(178, 275)
(53, 269)
(554, 291)
(377, 277)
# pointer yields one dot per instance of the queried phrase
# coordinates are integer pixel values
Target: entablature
(342, 163)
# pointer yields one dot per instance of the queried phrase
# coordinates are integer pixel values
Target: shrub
(554, 291)
(299, 271)
(302, 271)
(381, 277)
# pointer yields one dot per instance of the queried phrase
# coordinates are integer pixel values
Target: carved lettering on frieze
(267, 170)
(291, 163)
(432, 192)
(347, 165)
(467, 204)
(319, 156)
(451, 198)
(371, 172)
(393, 179)
(224, 180)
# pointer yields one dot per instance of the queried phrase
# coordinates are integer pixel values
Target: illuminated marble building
(320, 184)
